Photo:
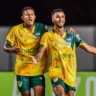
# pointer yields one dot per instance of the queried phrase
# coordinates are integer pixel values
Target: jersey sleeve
(78, 40)
(44, 41)
(41, 27)
(10, 39)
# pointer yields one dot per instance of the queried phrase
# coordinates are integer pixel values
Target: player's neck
(29, 27)
(59, 31)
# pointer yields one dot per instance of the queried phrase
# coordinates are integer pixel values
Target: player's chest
(27, 37)
(56, 41)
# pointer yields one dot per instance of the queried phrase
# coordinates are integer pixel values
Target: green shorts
(25, 83)
(57, 81)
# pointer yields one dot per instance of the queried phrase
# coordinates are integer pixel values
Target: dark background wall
(78, 12)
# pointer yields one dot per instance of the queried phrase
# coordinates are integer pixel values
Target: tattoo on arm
(8, 48)
(40, 54)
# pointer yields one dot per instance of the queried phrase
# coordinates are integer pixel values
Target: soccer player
(61, 48)
(23, 40)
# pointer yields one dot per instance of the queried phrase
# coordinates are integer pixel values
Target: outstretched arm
(88, 48)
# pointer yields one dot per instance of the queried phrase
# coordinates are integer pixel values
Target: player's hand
(33, 60)
(70, 30)
(17, 51)
(12, 49)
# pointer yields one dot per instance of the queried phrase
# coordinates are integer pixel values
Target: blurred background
(80, 14)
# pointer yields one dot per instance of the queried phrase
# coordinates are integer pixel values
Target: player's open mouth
(30, 20)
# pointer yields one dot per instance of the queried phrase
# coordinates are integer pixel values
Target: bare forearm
(40, 54)
(11, 49)
(92, 50)
(38, 57)
(88, 48)
(8, 49)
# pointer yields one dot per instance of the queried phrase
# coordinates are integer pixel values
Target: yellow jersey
(20, 37)
(62, 55)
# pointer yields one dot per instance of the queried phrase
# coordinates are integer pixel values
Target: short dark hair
(56, 10)
(26, 8)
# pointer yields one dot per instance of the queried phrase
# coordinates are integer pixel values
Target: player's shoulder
(42, 26)
(17, 26)
(14, 29)
(48, 32)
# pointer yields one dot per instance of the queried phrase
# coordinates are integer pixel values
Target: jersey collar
(64, 35)
(33, 29)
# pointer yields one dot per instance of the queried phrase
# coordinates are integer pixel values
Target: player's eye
(57, 16)
(63, 16)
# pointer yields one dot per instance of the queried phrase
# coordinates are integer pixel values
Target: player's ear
(52, 19)
(22, 17)
(35, 16)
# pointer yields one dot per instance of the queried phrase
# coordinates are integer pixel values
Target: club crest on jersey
(55, 79)
(19, 83)
(68, 44)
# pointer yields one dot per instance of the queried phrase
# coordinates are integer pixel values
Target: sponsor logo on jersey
(68, 55)
(68, 39)
(31, 50)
